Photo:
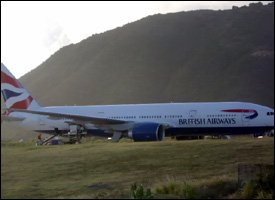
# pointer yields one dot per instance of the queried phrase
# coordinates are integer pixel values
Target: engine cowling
(147, 132)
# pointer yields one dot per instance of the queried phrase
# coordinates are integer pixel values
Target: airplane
(141, 122)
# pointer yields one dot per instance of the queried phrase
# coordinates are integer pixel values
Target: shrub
(189, 192)
(184, 191)
(170, 188)
(261, 187)
(138, 192)
(248, 190)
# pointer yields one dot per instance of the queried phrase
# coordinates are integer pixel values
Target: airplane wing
(10, 118)
(75, 118)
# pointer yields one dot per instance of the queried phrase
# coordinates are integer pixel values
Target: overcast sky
(32, 31)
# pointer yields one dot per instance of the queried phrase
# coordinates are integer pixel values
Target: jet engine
(147, 132)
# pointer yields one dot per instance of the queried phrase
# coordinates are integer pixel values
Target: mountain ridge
(155, 55)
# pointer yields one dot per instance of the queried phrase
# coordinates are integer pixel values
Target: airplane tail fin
(14, 94)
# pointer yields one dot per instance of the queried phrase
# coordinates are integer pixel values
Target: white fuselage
(189, 116)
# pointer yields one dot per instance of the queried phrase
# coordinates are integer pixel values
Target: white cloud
(32, 31)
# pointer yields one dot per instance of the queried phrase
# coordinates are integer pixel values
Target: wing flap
(75, 118)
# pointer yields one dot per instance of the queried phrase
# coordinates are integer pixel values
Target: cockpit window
(270, 113)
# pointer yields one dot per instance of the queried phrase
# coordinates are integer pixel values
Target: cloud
(52, 34)
(55, 36)
(64, 40)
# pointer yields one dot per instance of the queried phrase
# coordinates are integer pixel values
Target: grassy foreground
(102, 169)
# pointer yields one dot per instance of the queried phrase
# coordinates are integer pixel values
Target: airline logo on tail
(14, 94)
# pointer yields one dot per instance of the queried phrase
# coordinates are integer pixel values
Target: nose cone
(268, 117)
(271, 118)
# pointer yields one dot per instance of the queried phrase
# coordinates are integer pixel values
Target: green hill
(202, 55)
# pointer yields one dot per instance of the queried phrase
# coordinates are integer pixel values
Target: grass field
(102, 169)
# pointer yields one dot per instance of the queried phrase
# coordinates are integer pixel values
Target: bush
(138, 192)
(263, 195)
(189, 192)
(261, 187)
(170, 188)
(183, 191)
(248, 190)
